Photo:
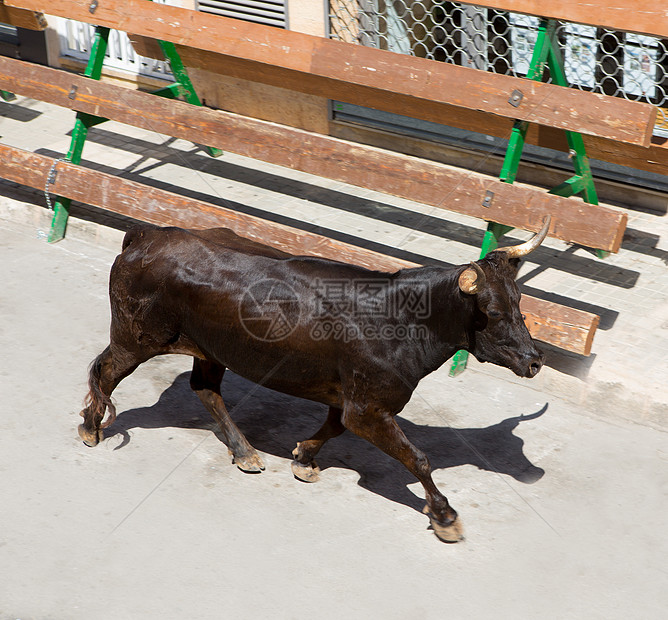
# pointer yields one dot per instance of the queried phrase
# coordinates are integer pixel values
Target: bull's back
(212, 289)
(197, 276)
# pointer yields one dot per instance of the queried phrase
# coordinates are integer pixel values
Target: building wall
(269, 102)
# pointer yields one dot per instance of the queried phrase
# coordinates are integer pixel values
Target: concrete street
(561, 481)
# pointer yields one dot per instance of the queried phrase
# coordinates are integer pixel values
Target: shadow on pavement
(274, 422)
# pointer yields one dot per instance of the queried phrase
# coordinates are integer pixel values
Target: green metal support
(184, 86)
(181, 88)
(546, 52)
(583, 181)
(7, 96)
(173, 91)
(61, 206)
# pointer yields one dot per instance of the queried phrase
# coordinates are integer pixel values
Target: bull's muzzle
(534, 362)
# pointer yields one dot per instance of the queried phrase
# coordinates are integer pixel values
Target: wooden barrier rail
(417, 87)
(477, 117)
(570, 329)
(652, 158)
(356, 74)
(641, 16)
(30, 20)
(401, 175)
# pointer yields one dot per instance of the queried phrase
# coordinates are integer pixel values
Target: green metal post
(582, 182)
(173, 91)
(511, 163)
(180, 73)
(61, 206)
(545, 52)
(544, 39)
(182, 88)
(185, 87)
(7, 96)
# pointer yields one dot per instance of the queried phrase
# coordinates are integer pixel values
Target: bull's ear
(472, 280)
(515, 265)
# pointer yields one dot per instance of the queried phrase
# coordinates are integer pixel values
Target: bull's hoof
(309, 472)
(306, 473)
(90, 439)
(249, 463)
(450, 533)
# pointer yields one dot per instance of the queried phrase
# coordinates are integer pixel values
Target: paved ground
(564, 508)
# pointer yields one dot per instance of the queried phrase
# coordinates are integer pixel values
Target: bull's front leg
(381, 429)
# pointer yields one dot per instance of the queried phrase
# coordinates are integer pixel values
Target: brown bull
(356, 340)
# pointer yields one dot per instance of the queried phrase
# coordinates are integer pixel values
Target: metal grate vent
(268, 12)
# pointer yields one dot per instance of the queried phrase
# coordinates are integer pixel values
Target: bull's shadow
(273, 423)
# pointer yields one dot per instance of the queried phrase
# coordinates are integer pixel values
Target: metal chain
(51, 179)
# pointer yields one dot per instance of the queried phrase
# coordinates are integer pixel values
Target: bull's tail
(96, 402)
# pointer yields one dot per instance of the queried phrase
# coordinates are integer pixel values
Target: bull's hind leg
(382, 430)
(106, 372)
(304, 466)
(205, 381)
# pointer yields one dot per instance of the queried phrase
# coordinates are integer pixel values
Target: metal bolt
(487, 200)
(515, 98)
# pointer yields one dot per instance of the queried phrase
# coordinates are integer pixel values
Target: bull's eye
(524, 317)
(493, 314)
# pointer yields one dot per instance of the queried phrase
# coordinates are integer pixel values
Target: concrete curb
(38, 219)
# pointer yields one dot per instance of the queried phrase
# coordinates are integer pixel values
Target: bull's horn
(472, 280)
(517, 251)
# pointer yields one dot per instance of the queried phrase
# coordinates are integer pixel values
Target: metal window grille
(75, 37)
(616, 63)
(269, 12)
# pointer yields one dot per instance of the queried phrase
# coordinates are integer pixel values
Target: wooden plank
(641, 16)
(652, 159)
(561, 326)
(572, 330)
(158, 206)
(21, 18)
(400, 175)
(363, 75)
